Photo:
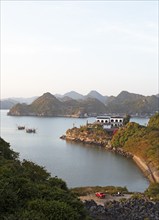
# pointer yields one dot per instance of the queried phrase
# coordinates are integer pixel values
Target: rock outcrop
(131, 209)
(90, 134)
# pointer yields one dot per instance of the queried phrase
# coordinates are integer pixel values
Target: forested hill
(91, 105)
(28, 192)
(141, 141)
(131, 104)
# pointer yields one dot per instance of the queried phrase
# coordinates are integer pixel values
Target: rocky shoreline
(130, 209)
(103, 143)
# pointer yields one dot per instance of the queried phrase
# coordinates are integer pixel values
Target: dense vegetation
(28, 192)
(154, 122)
(140, 140)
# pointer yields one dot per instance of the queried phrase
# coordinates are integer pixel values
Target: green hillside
(140, 140)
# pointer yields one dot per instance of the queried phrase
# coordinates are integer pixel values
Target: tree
(126, 119)
(153, 191)
(6, 152)
(154, 122)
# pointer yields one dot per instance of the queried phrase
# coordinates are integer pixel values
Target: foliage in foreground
(28, 192)
(153, 191)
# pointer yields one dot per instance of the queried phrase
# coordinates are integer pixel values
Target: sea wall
(151, 172)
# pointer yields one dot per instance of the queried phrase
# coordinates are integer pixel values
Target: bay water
(77, 164)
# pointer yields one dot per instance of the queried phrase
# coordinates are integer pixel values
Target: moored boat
(31, 130)
(21, 127)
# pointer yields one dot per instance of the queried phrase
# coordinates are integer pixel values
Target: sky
(62, 46)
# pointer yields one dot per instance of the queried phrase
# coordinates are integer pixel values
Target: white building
(110, 121)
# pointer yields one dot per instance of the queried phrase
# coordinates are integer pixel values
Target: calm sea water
(77, 164)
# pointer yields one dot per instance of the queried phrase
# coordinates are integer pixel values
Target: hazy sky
(60, 46)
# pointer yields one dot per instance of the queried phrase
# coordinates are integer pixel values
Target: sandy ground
(106, 199)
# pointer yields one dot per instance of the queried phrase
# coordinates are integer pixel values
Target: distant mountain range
(77, 96)
(73, 104)
(10, 102)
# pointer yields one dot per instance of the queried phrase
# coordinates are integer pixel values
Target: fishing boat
(31, 130)
(21, 127)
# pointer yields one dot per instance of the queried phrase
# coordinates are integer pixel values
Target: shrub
(153, 191)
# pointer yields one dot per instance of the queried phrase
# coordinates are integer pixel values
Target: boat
(21, 127)
(31, 130)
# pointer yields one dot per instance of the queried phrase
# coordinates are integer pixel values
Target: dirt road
(107, 198)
